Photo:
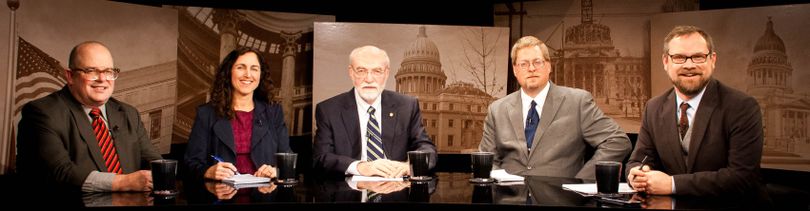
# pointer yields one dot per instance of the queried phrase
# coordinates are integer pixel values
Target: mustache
(686, 72)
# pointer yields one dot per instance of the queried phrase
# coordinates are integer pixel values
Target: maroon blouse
(242, 133)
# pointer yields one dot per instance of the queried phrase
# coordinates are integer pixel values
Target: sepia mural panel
(764, 52)
(454, 71)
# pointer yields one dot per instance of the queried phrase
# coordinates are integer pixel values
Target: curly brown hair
(222, 89)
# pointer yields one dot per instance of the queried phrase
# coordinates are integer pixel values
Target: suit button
(529, 167)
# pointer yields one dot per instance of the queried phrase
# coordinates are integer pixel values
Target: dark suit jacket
(726, 147)
(337, 138)
(213, 135)
(56, 143)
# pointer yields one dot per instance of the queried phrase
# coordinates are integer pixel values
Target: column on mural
(288, 76)
(228, 22)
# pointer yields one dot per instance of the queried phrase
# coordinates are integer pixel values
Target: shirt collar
(539, 99)
(694, 102)
(103, 109)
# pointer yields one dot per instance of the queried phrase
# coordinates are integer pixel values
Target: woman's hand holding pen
(220, 171)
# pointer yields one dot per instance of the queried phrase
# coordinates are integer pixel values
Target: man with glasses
(701, 137)
(81, 139)
(545, 129)
(369, 130)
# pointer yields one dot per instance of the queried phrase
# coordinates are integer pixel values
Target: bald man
(80, 138)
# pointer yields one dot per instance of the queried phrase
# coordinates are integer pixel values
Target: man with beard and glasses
(700, 138)
(369, 130)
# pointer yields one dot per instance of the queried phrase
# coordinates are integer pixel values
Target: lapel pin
(390, 114)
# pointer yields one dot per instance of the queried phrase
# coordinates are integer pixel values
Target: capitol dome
(769, 70)
(423, 48)
(421, 67)
(770, 41)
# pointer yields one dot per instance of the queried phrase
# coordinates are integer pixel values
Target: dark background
(468, 13)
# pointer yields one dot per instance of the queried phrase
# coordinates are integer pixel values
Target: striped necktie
(105, 142)
(374, 144)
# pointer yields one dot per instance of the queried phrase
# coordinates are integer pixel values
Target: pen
(642, 162)
(218, 159)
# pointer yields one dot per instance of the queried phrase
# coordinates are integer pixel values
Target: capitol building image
(452, 112)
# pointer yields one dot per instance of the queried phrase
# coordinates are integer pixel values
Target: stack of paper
(359, 178)
(589, 189)
(504, 178)
(250, 185)
(241, 179)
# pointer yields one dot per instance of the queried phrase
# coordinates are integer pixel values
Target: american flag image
(38, 74)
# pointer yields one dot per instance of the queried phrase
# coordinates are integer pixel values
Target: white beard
(369, 96)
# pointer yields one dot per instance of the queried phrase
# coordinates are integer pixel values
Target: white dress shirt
(540, 99)
(362, 113)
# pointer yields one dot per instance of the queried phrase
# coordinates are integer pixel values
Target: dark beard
(690, 91)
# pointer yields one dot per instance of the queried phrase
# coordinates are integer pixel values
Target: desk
(447, 189)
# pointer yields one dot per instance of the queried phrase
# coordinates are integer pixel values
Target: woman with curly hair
(240, 129)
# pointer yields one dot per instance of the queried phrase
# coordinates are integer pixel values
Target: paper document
(501, 176)
(249, 185)
(589, 189)
(358, 178)
(245, 179)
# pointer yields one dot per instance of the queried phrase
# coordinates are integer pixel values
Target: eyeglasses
(92, 73)
(363, 72)
(524, 65)
(697, 59)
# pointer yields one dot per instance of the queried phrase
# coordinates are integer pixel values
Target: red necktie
(105, 142)
(683, 123)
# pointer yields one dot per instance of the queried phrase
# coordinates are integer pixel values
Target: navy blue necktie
(374, 145)
(531, 124)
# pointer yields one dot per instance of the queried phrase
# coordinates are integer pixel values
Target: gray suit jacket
(56, 146)
(570, 123)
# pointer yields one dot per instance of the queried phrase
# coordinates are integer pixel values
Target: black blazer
(726, 147)
(213, 135)
(56, 146)
(337, 138)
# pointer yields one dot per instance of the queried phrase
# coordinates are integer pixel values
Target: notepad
(241, 179)
(502, 176)
(250, 185)
(359, 178)
(589, 189)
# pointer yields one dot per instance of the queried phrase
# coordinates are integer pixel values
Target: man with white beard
(369, 130)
